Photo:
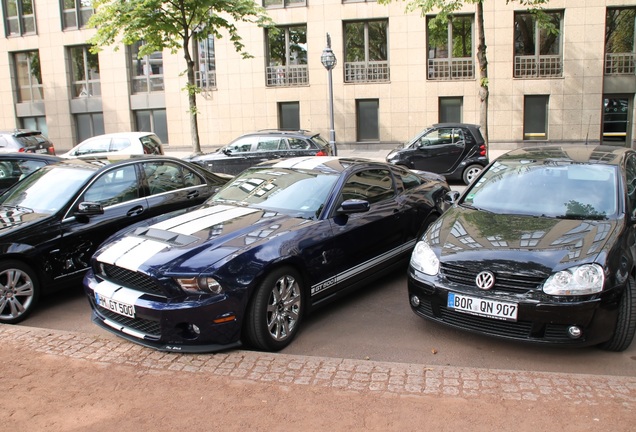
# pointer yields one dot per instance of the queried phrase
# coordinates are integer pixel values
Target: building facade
(395, 73)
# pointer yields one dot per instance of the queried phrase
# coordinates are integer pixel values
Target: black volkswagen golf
(540, 248)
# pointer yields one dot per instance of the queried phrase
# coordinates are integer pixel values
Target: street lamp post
(328, 60)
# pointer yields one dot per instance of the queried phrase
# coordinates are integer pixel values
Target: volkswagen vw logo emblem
(485, 280)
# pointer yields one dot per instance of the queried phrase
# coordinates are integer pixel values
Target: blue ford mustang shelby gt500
(276, 242)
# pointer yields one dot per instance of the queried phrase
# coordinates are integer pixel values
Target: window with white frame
(84, 72)
(450, 48)
(538, 51)
(19, 17)
(76, 13)
(283, 3)
(147, 70)
(287, 57)
(205, 59)
(366, 51)
(28, 76)
(620, 50)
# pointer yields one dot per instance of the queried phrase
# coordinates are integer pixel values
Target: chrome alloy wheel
(16, 294)
(283, 308)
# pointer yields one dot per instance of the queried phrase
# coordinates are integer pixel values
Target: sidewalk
(64, 381)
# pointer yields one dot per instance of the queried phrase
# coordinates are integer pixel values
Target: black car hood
(535, 246)
(196, 240)
(13, 217)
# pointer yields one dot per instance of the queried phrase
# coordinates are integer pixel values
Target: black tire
(626, 321)
(19, 291)
(276, 310)
(471, 172)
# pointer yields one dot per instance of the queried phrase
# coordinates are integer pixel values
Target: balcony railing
(538, 66)
(205, 79)
(367, 72)
(620, 63)
(287, 76)
(147, 84)
(449, 69)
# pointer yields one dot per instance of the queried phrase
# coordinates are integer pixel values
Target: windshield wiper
(582, 217)
(472, 207)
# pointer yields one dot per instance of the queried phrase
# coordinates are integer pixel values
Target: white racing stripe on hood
(135, 257)
(190, 216)
(117, 249)
(205, 222)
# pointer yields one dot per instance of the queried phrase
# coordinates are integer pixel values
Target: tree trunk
(192, 101)
(483, 73)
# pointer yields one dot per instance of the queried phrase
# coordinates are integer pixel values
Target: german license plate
(41, 150)
(124, 309)
(483, 307)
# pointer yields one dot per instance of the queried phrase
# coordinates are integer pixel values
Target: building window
(367, 119)
(620, 55)
(19, 17)
(289, 115)
(84, 72)
(450, 48)
(76, 13)
(450, 109)
(88, 125)
(35, 123)
(205, 67)
(28, 76)
(537, 51)
(535, 117)
(287, 57)
(147, 71)
(283, 3)
(366, 51)
(152, 121)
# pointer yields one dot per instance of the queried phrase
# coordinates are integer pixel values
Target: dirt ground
(45, 392)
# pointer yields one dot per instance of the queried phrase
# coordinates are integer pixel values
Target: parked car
(16, 166)
(52, 221)
(25, 141)
(253, 148)
(275, 243)
(115, 144)
(540, 248)
(455, 150)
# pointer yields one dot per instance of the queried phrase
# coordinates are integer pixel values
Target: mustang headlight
(581, 280)
(424, 259)
(200, 285)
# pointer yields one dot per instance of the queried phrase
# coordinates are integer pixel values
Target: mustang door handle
(135, 211)
(193, 194)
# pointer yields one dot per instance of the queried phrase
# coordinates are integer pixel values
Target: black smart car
(455, 150)
(541, 248)
(52, 221)
(253, 148)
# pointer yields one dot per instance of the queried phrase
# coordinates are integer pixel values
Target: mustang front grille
(130, 279)
(147, 327)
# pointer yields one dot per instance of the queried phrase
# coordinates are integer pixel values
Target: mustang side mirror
(88, 208)
(354, 206)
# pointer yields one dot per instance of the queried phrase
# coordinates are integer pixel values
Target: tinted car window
(371, 185)
(409, 179)
(151, 144)
(114, 187)
(167, 176)
(442, 136)
(119, 144)
(241, 145)
(298, 144)
(270, 144)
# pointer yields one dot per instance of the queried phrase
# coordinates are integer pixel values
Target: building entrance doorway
(617, 120)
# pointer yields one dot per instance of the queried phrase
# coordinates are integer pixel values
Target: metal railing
(448, 69)
(287, 76)
(538, 66)
(367, 72)
(620, 63)
(205, 79)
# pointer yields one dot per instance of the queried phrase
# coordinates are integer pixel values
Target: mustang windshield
(47, 190)
(548, 188)
(298, 192)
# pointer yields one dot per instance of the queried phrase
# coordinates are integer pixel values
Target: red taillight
(51, 150)
(22, 150)
(482, 150)
(321, 153)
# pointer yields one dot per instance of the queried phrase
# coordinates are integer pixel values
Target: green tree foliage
(173, 25)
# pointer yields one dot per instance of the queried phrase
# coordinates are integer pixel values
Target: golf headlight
(581, 280)
(424, 259)
(200, 285)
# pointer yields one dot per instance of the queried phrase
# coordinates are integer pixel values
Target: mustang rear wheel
(626, 322)
(19, 291)
(276, 310)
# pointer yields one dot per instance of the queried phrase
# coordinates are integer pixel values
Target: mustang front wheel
(275, 311)
(18, 291)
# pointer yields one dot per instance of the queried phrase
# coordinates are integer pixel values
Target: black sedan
(16, 166)
(52, 221)
(541, 248)
(278, 241)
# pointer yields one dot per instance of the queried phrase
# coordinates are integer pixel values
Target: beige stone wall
(408, 102)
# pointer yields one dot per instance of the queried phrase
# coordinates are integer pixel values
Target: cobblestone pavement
(341, 374)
